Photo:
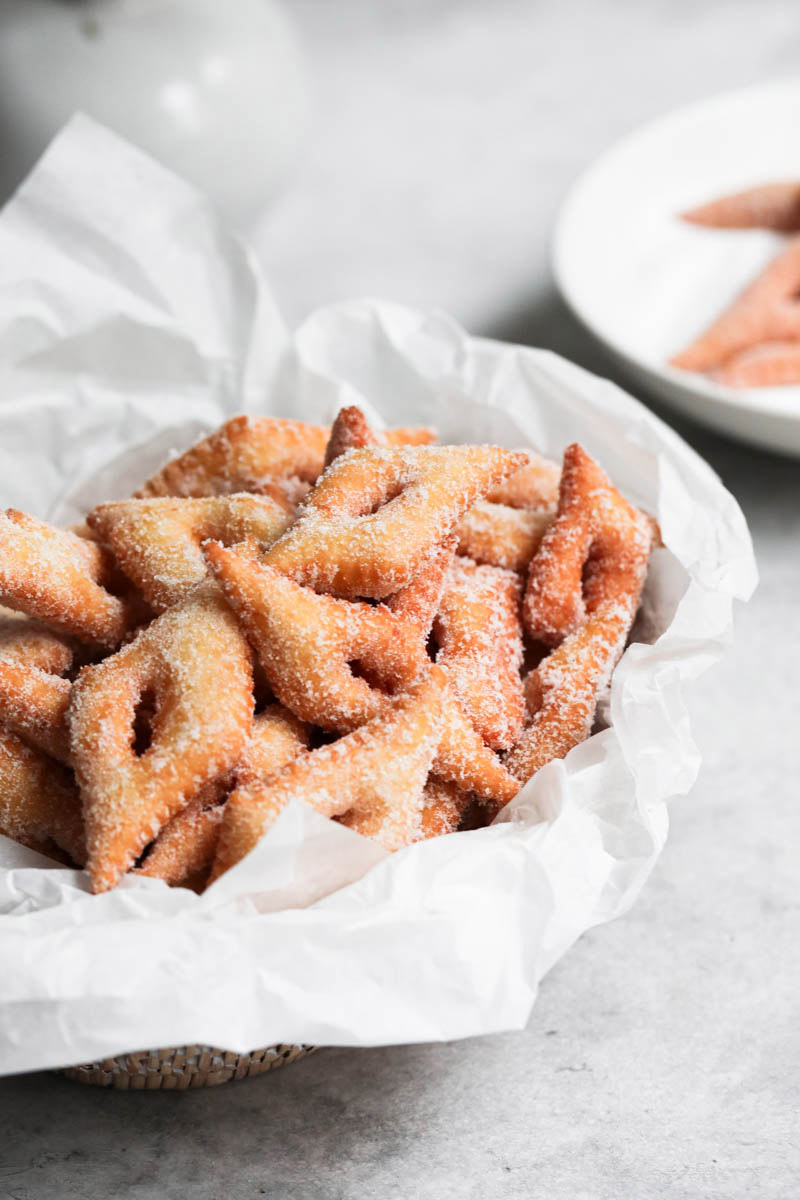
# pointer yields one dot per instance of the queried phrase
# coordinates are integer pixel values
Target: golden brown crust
(596, 548)
(193, 667)
(479, 634)
(243, 455)
(769, 206)
(38, 799)
(501, 536)
(767, 310)
(373, 778)
(352, 431)
(309, 644)
(59, 578)
(376, 515)
(158, 542)
(33, 704)
(583, 593)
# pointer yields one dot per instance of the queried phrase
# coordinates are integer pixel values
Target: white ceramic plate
(645, 283)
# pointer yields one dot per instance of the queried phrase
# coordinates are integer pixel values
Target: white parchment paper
(130, 324)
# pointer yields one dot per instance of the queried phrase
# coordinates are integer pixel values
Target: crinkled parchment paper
(130, 324)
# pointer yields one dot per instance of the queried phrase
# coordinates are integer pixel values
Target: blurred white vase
(215, 90)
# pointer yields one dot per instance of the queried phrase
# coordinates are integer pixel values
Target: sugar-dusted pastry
(479, 634)
(30, 642)
(241, 456)
(185, 848)
(352, 431)
(596, 549)
(189, 673)
(562, 692)
(769, 364)
(330, 661)
(419, 600)
(769, 206)
(584, 590)
(768, 310)
(502, 536)
(376, 514)
(443, 806)
(372, 779)
(60, 579)
(39, 802)
(33, 704)
(251, 454)
(158, 542)
(533, 485)
(463, 758)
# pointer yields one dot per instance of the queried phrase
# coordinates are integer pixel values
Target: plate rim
(763, 402)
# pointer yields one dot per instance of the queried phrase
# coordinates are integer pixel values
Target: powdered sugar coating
(57, 577)
(158, 542)
(533, 485)
(195, 664)
(241, 456)
(30, 642)
(373, 778)
(33, 704)
(562, 692)
(479, 633)
(583, 593)
(308, 644)
(185, 848)
(38, 799)
(419, 600)
(767, 310)
(501, 536)
(464, 759)
(376, 514)
(595, 550)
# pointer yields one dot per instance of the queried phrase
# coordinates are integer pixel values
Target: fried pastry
(373, 778)
(33, 704)
(533, 485)
(463, 758)
(59, 578)
(184, 850)
(771, 364)
(501, 536)
(352, 431)
(39, 802)
(419, 600)
(376, 514)
(331, 662)
(770, 206)
(596, 549)
(241, 456)
(479, 634)
(443, 806)
(251, 454)
(562, 692)
(24, 640)
(768, 310)
(190, 674)
(157, 542)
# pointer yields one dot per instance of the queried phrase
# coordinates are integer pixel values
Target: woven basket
(183, 1067)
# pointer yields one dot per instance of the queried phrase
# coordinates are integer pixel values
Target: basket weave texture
(183, 1067)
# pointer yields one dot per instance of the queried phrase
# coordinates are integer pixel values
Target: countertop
(662, 1057)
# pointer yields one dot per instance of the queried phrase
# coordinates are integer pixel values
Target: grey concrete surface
(662, 1058)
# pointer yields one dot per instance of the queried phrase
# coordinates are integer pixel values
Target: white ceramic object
(645, 283)
(216, 91)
